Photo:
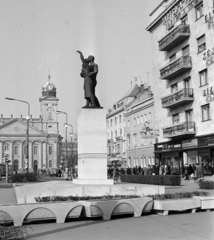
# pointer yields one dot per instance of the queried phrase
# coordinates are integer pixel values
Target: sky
(42, 36)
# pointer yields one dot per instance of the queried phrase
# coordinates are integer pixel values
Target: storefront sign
(206, 141)
(209, 56)
(174, 15)
(189, 143)
(209, 19)
(208, 91)
(168, 146)
(209, 98)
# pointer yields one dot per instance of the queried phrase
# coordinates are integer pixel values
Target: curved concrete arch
(74, 212)
(96, 211)
(4, 216)
(147, 207)
(39, 213)
(123, 208)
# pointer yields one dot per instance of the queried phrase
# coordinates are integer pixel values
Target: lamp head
(9, 98)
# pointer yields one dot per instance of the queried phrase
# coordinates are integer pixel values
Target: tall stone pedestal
(92, 147)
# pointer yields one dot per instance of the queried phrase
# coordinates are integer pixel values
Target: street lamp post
(27, 131)
(59, 112)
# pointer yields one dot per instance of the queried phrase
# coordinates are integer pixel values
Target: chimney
(142, 87)
(11, 115)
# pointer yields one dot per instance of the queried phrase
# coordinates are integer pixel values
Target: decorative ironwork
(180, 129)
(166, 43)
(186, 93)
(181, 64)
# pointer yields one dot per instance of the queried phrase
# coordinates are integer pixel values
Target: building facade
(116, 126)
(140, 132)
(44, 140)
(182, 33)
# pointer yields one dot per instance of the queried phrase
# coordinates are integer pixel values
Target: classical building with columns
(44, 139)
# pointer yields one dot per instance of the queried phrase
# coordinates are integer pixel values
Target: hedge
(206, 184)
(180, 195)
(171, 180)
(83, 198)
(24, 177)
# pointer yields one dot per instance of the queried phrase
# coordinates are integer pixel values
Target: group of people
(114, 172)
(193, 172)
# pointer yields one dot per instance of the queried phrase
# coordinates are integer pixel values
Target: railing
(179, 129)
(119, 138)
(173, 35)
(176, 65)
(184, 93)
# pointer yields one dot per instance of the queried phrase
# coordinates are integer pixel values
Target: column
(30, 155)
(55, 163)
(11, 153)
(1, 152)
(185, 157)
(21, 155)
(40, 165)
(45, 154)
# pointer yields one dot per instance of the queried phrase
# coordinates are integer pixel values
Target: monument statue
(89, 73)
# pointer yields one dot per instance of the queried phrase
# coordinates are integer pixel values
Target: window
(50, 149)
(201, 43)
(111, 135)
(111, 122)
(35, 150)
(128, 142)
(120, 119)
(172, 57)
(184, 20)
(141, 119)
(185, 51)
(115, 120)
(121, 132)
(203, 77)
(199, 11)
(128, 123)
(145, 118)
(35, 165)
(16, 149)
(174, 88)
(138, 120)
(134, 140)
(134, 121)
(205, 112)
(107, 124)
(16, 165)
(189, 115)
(25, 149)
(115, 134)
(50, 115)
(124, 117)
(6, 147)
(50, 163)
(175, 119)
(187, 83)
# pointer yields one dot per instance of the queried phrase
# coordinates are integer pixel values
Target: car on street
(52, 172)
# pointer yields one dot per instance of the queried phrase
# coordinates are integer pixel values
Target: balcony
(180, 97)
(175, 68)
(180, 130)
(174, 37)
(119, 138)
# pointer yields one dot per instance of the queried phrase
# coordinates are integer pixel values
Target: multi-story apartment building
(140, 132)
(116, 126)
(44, 142)
(182, 33)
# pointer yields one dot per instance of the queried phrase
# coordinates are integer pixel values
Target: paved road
(184, 226)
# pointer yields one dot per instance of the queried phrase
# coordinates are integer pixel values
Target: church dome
(48, 86)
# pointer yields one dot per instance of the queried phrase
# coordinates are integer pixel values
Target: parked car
(52, 172)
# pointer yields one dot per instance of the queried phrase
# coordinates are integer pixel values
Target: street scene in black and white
(106, 119)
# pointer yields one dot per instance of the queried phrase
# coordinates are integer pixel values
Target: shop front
(198, 150)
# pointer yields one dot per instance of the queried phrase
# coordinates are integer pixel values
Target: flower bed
(206, 184)
(163, 203)
(171, 180)
(108, 205)
(84, 198)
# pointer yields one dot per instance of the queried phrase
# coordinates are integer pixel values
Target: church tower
(48, 107)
